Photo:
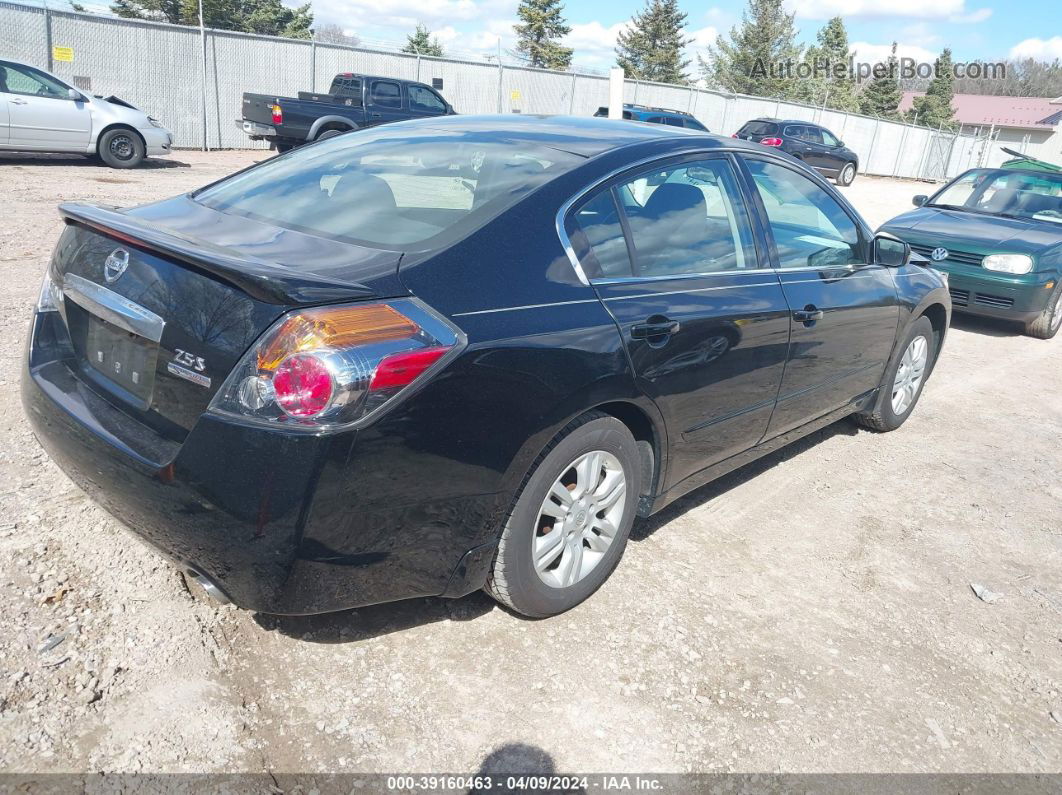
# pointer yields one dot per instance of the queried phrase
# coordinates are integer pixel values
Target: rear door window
(794, 130)
(688, 219)
(386, 94)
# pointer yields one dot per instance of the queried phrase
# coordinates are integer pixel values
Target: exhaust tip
(209, 586)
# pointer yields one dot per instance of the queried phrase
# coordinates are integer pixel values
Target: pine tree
(832, 83)
(541, 26)
(158, 10)
(754, 61)
(882, 95)
(652, 49)
(934, 109)
(420, 42)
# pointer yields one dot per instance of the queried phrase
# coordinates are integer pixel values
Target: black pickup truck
(352, 103)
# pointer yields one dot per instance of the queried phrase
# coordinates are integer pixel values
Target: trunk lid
(162, 301)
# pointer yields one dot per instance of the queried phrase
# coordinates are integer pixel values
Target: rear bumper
(255, 130)
(1017, 299)
(281, 523)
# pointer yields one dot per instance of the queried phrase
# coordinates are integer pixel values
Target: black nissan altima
(461, 353)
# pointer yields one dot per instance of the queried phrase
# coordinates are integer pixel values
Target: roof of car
(587, 136)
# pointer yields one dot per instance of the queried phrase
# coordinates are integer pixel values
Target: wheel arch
(330, 123)
(938, 316)
(119, 125)
(650, 440)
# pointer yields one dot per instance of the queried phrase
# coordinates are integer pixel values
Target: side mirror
(890, 251)
(74, 94)
(919, 200)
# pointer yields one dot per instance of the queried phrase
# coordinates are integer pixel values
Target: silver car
(41, 113)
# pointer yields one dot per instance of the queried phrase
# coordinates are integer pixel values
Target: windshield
(391, 188)
(1014, 194)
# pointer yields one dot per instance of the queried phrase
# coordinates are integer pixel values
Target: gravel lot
(811, 612)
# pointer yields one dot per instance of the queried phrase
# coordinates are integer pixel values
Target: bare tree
(332, 33)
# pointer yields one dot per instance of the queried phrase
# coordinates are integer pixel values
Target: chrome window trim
(680, 276)
(696, 290)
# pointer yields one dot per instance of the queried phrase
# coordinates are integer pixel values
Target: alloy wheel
(1056, 313)
(909, 375)
(579, 519)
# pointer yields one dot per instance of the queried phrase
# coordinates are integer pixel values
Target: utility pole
(202, 74)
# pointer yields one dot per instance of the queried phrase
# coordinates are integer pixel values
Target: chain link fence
(162, 69)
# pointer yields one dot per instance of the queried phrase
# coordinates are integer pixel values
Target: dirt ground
(811, 612)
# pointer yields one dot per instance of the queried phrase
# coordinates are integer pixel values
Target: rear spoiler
(264, 281)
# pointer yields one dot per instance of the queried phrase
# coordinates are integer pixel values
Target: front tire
(121, 148)
(1050, 320)
(569, 526)
(847, 175)
(904, 379)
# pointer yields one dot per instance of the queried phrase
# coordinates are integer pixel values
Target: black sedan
(461, 353)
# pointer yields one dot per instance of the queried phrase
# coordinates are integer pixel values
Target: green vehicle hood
(975, 233)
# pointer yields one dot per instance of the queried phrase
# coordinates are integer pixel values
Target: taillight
(771, 141)
(278, 114)
(336, 366)
(735, 135)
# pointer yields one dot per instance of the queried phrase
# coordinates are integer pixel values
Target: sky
(974, 29)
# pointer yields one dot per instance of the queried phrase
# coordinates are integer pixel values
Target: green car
(997, 233)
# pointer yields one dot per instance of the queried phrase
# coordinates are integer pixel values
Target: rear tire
(329, 134)
(121, 148)
(904, 379)
(282, 148)
(569, 525)
(1050, 320)
(846, 176)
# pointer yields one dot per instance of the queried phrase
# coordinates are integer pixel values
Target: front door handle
(654, 327)
(808, 315)
(374, 115)
(18, 102)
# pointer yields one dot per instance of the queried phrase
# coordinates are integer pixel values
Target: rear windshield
(391, 188)
(759, 128)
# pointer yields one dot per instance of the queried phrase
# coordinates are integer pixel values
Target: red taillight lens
(303, 385)
(336, 366)
(771, 141)
(735, 135)
(278, 114)
(403, 368)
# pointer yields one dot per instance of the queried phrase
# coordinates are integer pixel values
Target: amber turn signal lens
(340, 327)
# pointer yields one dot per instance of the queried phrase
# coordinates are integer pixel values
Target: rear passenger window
(811, 230)
(688, 219)
(386, 94)
(672, 121)
(599, 224)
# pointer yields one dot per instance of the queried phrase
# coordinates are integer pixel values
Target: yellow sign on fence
(62, 53)
(514, 95)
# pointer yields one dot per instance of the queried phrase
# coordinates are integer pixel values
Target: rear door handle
(654, 328)
(18, 102)
(809, 314)
(374, 115)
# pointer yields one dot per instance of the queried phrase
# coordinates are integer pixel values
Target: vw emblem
(115, 265)
(938, 254)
